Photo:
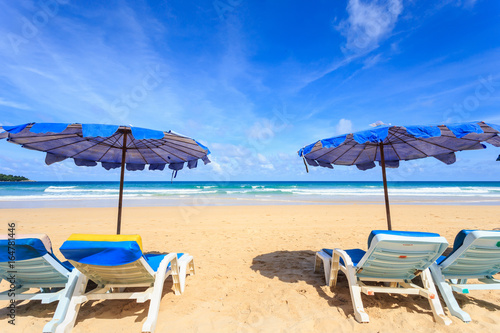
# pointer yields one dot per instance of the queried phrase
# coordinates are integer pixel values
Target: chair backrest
(399, 254)
(30, 257)
(109, 259)
(476, 254)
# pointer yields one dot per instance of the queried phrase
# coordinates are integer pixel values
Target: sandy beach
(254, 268)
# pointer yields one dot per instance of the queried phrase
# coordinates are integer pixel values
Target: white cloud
(369, 23)
(344, 126)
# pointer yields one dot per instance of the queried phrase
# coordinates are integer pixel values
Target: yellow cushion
(106, 238)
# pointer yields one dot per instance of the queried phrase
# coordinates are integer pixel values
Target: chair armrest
(169, 258)
(345, 257)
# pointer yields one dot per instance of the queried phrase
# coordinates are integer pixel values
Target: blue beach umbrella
(111, 145)
(388, 145)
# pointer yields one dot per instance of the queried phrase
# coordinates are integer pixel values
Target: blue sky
(254, 81)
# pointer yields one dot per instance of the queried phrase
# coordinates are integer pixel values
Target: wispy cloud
(368, 23)
(12, 104)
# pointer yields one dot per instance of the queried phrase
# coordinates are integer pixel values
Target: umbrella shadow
(295, 266)
(290, 267)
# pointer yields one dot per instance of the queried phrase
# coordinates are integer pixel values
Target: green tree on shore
(11, 178)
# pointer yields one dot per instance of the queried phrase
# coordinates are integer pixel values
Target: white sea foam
(297, 193)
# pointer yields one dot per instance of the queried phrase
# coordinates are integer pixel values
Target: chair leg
(447, 294)
(332, 282)
(359, 312)
(64, 301)
(73, 307)
(323, 258)
(186, 266)
(154, 306)
(433, 298)
(191, 267)
(317, 263)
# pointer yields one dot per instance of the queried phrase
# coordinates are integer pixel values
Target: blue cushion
(440, 259)
(400, 233)
(66, 264)
(355, 254)
(459, 239)
(101, 253)
(25, 248)
(154, 260)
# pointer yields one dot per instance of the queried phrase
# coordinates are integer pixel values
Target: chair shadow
(295, 266)
(93, 309)
(120, 308)
(32, 309)
(108, 309)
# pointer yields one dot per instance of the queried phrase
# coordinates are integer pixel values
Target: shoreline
(203, 200)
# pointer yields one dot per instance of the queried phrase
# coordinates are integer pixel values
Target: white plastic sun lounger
(115, 262)
(476, 255)
(395, 257)
(28, 262)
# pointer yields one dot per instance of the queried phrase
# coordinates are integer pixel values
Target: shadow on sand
(295, 266)
(107, 309)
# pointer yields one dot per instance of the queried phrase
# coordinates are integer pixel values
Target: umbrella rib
(172, 146)
(49, 150)
(357, 157)
(437, 145)
(328, 152)
(462, 138)
(393, 148)
(175, 138)
(172, 154)
(47, 135)
(63, 136)
(409, 144)
(352, 147)
(137, 149)
(149, 141)
(431, 143)
(109, 148)
(81, 151)
(168, 144)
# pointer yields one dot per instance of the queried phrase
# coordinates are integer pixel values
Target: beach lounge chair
(28, 262)
(393, 257)
(115, 262)
(475, 255)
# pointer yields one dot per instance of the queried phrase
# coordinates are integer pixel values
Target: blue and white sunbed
(395, 257)
(115, 262)
(476, 255)
(28, 262)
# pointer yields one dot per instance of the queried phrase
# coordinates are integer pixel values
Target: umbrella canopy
(111, 145)
(390, 144)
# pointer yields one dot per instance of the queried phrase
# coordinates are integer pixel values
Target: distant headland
(11, 178)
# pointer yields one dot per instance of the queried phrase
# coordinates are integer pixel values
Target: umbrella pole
(386, 193)
(122, 176)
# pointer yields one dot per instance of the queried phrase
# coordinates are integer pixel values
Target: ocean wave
(276, 191)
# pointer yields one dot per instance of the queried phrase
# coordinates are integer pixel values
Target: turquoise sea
(105, 194)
